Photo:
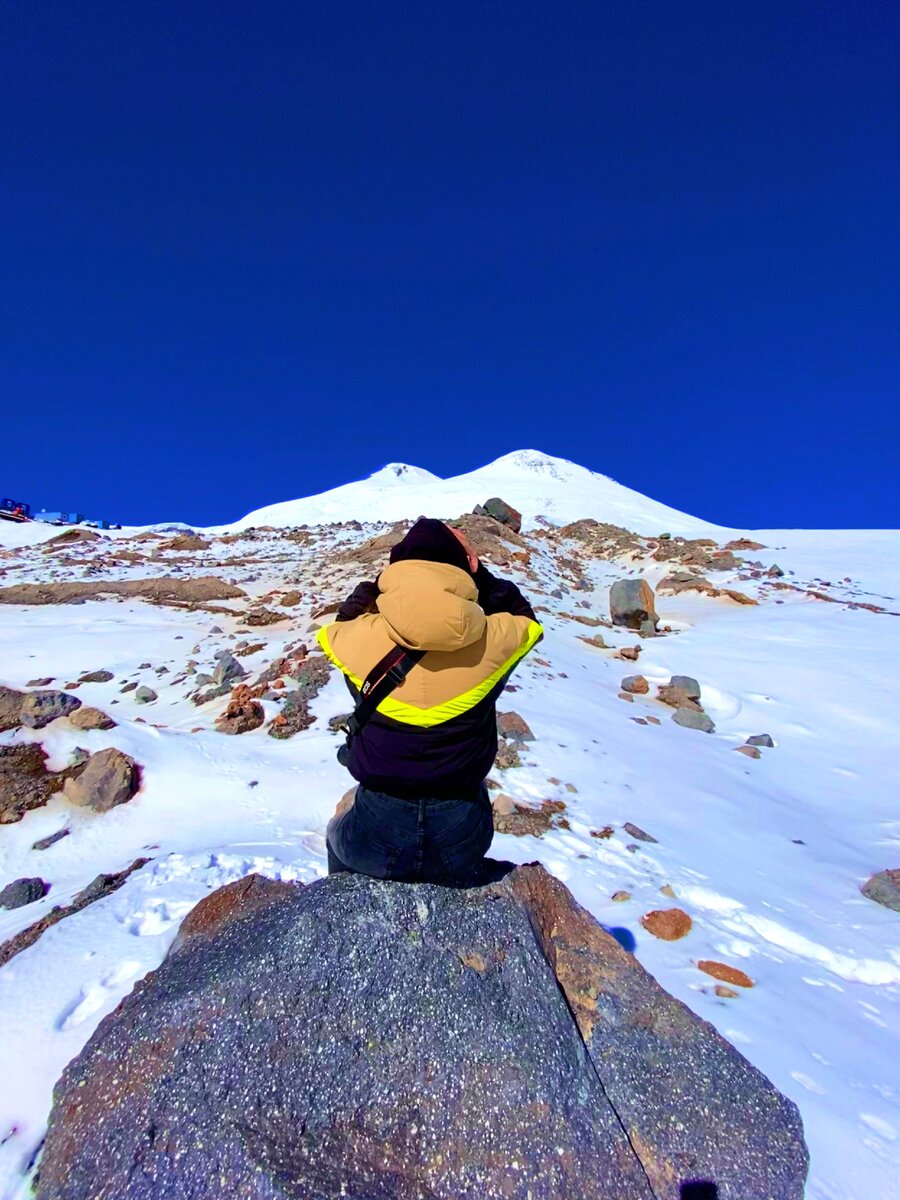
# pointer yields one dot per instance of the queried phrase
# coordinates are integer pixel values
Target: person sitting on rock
(421, 811)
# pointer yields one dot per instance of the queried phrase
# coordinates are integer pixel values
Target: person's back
(421, 810)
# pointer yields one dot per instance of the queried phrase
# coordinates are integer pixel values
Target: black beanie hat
(431, 541)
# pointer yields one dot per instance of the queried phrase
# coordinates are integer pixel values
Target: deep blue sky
(249, 251)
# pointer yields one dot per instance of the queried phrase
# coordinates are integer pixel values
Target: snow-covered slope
(536, 484)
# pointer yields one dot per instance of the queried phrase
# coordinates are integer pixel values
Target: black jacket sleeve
(361, 600)
(500, 595)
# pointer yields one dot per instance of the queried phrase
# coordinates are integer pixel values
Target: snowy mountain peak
(537, 484)
(536, 463)
(402, 473)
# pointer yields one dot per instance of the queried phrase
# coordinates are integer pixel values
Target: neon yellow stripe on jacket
(425, 718)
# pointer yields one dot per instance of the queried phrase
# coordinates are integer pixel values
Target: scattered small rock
(621, 897)
(636, 684)
(264, 616)
(668, 890)
(243, 713)
(626, 696)
(311, 676)
(670, 924)
(726, 974)
(23, 891)
(761, 739)
(511, 725)
(635, 831)
(145, 695)
(629, 653)
(884, 888)
(28, 936)
(749, 751)
(606, 832)
(96, 677)
(690, 718)
(507, 755)
(40, 683)
(51, 839)
(726, 993)
(524, 820)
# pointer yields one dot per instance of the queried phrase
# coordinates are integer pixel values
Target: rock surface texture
(108, 779)
(408, 1042)
(884, 888)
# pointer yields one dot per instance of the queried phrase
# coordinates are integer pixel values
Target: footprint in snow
(95, 994)
(157, 917)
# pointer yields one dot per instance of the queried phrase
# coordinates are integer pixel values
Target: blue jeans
(413, 841)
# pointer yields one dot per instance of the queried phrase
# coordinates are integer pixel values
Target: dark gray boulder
(500, 511)
(40, 708)
(409, 1042)
(227, 668)
(761, 739)
(23, 891)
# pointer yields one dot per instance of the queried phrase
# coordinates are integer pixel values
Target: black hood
(431, 541)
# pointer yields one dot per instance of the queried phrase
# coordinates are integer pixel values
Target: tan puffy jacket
(433, 607)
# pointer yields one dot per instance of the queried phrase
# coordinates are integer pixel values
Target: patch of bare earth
(161, 590)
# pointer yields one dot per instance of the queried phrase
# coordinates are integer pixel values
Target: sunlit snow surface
(767, 856)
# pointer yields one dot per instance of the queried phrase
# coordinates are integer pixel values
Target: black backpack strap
(387, 674)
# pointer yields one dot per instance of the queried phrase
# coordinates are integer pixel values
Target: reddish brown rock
(511, 725)
(725, 974)
(676, 697)
(636, 684)
(749, 751)
(670, 924)
(243, 714)
(525, 820)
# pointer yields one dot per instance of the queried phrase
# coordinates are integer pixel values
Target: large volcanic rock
(633, 604)
(409, 1042)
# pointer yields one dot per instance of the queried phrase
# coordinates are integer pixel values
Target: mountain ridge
(538, 484)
